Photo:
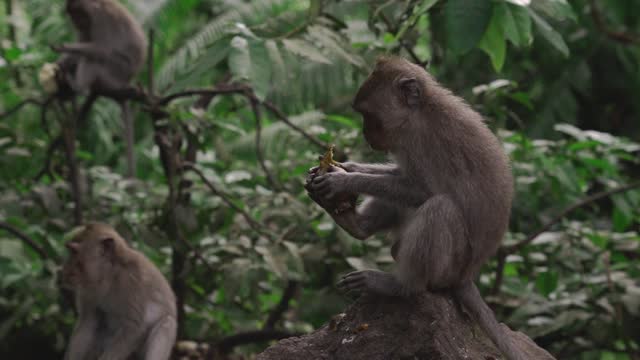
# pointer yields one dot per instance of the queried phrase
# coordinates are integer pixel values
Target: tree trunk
(429, 327)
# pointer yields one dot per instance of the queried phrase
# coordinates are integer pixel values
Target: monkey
(125, 305)
(445, 199)
(110, 50)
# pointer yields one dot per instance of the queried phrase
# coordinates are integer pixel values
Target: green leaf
(465, 22)
(239, 58)
(261, 65)
(546, 282)
(304, 49)
(515, 22)
(555, 9)
(328, 39)
(418, 11)
(549, 33)
(493, 43)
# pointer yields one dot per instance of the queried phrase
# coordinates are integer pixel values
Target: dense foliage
(244, 247)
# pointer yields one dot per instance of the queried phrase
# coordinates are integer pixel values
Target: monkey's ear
(72, 246)
(410, 90)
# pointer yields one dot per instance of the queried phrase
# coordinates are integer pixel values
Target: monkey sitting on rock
(126, 308)
(445, 200)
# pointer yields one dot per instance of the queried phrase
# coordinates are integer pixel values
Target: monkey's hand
(331, 184)
(336, 205)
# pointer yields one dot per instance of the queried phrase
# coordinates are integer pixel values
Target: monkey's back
(470, 166)
(112, 26)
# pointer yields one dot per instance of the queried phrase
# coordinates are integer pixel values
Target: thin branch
(282, 117)
(46, 168)
(24, 237)
(505, 251)
(69, 140)
(276, 314)
(255, 225)
(586, 201)
(150, 59)
(233, 89)
(256, 113)
(44, 122)
(619, 36)
(12, 36)
(18, 106)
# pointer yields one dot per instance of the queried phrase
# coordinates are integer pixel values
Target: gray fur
(446, 201)
(125, 305)
(110, 50)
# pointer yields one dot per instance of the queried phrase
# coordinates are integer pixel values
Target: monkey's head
(389, 97)
(93, 251)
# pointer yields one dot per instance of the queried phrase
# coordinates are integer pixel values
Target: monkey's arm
(390, 188)
(87, 49)
(391, 169)
(84, 336)
(369, 218)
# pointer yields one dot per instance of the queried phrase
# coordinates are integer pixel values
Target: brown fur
(125, 304)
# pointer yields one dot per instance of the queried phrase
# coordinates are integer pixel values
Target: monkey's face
(374, 132)
(73, 269)
(87, 264)
(382, 112)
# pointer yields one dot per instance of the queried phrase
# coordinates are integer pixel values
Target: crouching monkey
(445, 199)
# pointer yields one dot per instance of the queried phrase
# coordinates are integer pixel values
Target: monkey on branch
(445, 200)
(109, 51)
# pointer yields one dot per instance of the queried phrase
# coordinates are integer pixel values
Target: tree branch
(505, 251)
(253, 223)
(18, 106)
(276, 314)
(619, 36)
(256, 113)
(586, 201)
(25, 238)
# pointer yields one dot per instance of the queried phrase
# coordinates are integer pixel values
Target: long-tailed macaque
(125, 305)
(445, 200)
(110, 50)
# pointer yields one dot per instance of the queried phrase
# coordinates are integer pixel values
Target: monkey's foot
(371, 282)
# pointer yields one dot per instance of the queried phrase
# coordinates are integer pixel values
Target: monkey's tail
(469, 295)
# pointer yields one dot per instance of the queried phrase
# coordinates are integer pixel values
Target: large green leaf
(515, 22)
(493, 43)
(549, 33)
(303, 48)
(466, 22)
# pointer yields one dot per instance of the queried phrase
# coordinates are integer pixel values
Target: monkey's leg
(161, 339)
(126, 339)
(433, 250)
(85, 76)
